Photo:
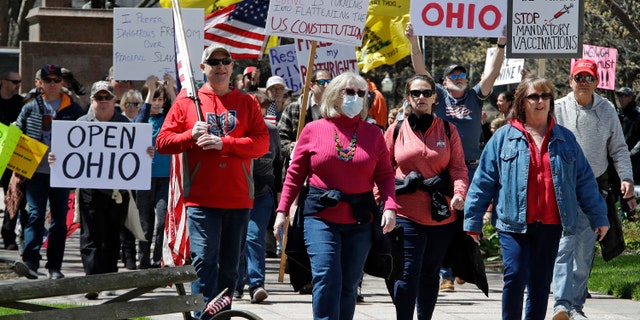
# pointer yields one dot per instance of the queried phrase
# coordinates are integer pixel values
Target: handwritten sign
(322, 20)
(284, 64)
(9, 137)
(509, 71)
(101, 155)
(545, 29)
(606, 58)
(27, 156)
(143, 42)
(458, 18)
(335, 58)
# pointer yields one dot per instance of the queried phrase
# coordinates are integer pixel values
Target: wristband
(501, 46)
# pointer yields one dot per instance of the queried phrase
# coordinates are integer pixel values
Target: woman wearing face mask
(340, 157)
(421, 149)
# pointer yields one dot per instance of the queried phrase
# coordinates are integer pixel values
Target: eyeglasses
(322, 82)
(417, 93)
(102, 98)
(49, 80)
(132, 104)
(214, 62)
(534, 97)
(581, 78)
(352, 92)
(13, 81)
(454, 76)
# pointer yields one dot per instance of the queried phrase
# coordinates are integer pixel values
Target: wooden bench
(120, 307)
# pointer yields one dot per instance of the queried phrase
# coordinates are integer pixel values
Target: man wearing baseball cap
(276, 90)
(220, 145)
(594, 122)
(250, 79)
(35, 121)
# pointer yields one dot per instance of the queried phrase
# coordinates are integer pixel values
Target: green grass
(618, 277)
(9, 311)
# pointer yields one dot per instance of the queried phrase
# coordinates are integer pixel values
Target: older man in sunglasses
(218, 145)
(35, 121)
(594, 121)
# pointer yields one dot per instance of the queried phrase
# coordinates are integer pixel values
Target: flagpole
(303, 112)
(188, 82)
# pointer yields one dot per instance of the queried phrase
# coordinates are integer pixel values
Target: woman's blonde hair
(332, 93)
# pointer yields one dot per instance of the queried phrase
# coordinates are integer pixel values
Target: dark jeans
(424, 251)
(102, 219)
(37, 192)
(152, 206)
(528, 262)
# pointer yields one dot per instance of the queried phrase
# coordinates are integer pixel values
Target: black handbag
(612, 245)
(386, 256)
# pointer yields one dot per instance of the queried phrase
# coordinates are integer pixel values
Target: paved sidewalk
(467, 302)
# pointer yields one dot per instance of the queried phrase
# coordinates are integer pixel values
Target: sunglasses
(454, 76)
(132, 104)
(534, 97)
(322, 82)
(49, 80)
(417, 93)
(581, 78)
(102, 98)
(214, 62)
(14, 81)
(352, 92)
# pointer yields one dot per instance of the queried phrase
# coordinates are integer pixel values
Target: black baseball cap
(452, 68)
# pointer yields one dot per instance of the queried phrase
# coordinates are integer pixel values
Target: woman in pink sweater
(340, 157)
(424, 149)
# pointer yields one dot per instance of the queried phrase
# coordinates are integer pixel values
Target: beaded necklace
(346, 154)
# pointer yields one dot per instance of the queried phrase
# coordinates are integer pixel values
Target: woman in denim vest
(536, 174)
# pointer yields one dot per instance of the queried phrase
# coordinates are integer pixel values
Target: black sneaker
(258, 294)
(23, 270)
(237, 294)
(92, 295)
(55, 274)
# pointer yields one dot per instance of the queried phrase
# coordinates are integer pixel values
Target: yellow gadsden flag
(384, 41)
(208, 5)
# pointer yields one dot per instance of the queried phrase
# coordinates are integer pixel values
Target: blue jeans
(216, 237)
(337, 253)
(573, 264)
(254, 250)
(37, 192)
(528, 262)
(424, 250)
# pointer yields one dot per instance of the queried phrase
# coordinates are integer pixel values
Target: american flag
(175, 249)
(240, 27)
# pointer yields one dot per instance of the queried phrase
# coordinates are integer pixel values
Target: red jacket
(220, 178)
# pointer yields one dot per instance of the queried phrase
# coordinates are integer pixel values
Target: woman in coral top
(423, 149)
(340, 157)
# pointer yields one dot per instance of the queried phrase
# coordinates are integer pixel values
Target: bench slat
(120, 310)
(94, 283)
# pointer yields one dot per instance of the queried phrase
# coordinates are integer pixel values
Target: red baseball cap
(585, 65)
(248, 70)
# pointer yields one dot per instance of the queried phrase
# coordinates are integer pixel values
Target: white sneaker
(578, 315)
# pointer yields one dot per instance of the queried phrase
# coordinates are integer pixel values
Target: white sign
(322, 20)
(545, 29)
(101, 155)
(509, 71)
(335, 58)
(284, 64)
(143, 42)
(459, 18)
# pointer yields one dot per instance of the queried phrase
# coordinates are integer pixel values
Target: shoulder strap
(447, 129)
(40, 103)
(396, 130)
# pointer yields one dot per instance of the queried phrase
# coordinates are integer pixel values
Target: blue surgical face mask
(352, 105)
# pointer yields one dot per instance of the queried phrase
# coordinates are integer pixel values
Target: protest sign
(544, 29)
(27, 156)
(9, 137)
(321, 20)
(458, 18)
(336, 58)
(284, 64)
(101, 155)
(143, 42)
(606, 58)
(509, 71)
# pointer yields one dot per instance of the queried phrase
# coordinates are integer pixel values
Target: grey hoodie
(597, 130)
